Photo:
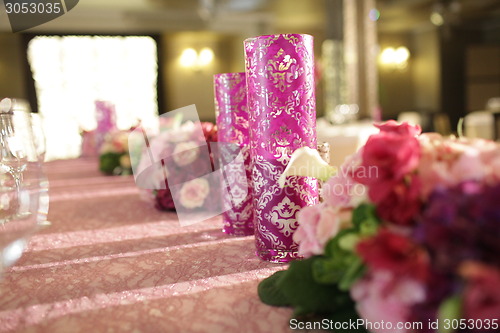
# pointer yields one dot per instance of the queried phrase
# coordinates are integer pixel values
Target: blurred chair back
(429, 121)
(441, 123)
(480, 124)
(496, 116)
(411, 117)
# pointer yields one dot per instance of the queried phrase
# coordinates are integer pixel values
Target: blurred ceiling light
(437, 19)
(445, 12)
(395, 58)
(209, 9)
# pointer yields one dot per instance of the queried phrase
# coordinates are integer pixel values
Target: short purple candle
(232, 127)
(282, 107)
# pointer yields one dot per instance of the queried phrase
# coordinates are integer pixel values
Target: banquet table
(110, 262)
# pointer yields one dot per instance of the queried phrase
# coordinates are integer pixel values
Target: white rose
(186, 153)
(125, 161)
(194, 192)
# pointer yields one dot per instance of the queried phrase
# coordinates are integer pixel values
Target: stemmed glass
(20, 183)
(40, 146)
(25, 118)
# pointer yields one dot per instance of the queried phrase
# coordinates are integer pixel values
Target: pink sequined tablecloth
(111, 263)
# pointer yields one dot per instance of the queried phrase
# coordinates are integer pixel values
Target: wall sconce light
(395, 58)
(194, 60)
(446, 12)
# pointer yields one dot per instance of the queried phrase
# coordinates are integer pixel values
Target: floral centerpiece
(186, 156)
(114, 156)
(405, 240)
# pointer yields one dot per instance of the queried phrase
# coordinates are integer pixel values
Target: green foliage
(450, 309)
(297, 287)
(108, 162)
(270, 293)
(320, 285)
(341, 264)
(365, 219)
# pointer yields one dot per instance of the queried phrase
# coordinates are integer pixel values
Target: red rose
(402, 203)
(482, 293)
(210, 131)
(164, 200)
(396, 253)
(387, 158)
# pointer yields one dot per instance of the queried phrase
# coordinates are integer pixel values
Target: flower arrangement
(405, 240)
(186, 158)
(114, 156)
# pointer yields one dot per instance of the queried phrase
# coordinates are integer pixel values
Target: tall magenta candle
(232, 127)
(281, 102)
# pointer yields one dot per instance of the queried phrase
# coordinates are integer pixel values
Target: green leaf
(327, 270)
(365, 220)
(305, 294)
(348, 242)
(353, 272)
(269, 293)
(333, 248)
(450, 308)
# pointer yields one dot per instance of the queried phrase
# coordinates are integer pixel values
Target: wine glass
(41, 147)
(25, 118)
(38, 134)
(20, 183)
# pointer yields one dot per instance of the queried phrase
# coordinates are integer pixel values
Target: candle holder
(281, 103)
(232, 130)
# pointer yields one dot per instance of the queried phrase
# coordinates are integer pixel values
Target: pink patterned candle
(232, 127)
(106, 121)
(281, 102)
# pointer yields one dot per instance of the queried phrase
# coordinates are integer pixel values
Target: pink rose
(318, 224)
(119, 140)
(468, 167)
(450, 161)
(494, 174)
(341, 190)
(194, 192)
(404, 129)
(383, 296)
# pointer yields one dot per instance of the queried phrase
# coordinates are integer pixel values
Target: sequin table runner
(111, 263)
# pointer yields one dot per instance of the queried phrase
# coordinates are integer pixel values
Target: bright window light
(72, 72)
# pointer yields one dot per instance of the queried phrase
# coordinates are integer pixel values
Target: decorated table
(111, 262)
(402, 238)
